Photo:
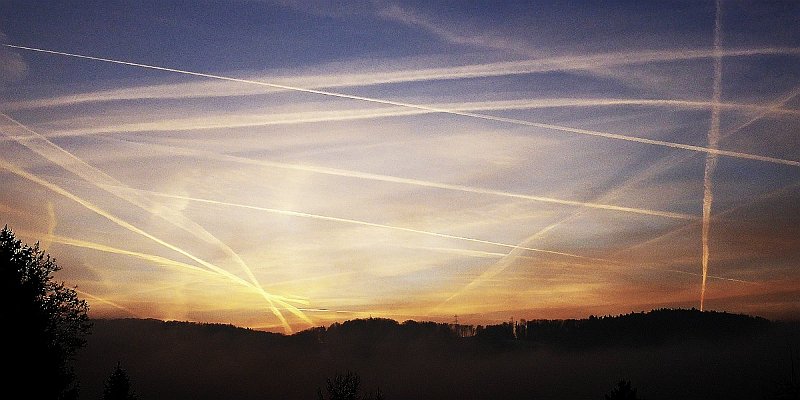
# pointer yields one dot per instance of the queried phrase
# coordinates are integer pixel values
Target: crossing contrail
(501, 265)
(416, 182)
(360, 222)
(106, 301)
(713, 143)
(40, 145)
(586, 132)
(231, 121)
(678, 159)
(693, 224)
(336, 80)
(271, 299)
(778, 104)
(158, 260)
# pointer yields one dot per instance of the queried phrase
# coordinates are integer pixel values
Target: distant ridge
(636, 328)
(663, 351)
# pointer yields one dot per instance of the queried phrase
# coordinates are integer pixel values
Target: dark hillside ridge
(665, 353)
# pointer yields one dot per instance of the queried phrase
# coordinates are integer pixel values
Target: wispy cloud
(388, 156)
(336, 78)
(13, 67)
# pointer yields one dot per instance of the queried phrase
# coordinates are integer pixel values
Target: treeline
(365, 337)
(665, 353)
(645, 328)
(635, 329)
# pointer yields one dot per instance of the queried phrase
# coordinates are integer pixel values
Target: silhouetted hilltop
(653, 327)
(635, 329)
(644, 328)
(666, 353)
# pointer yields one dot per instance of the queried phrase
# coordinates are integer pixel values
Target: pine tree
(118, 386)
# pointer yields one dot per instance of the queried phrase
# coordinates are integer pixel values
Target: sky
(287, 164)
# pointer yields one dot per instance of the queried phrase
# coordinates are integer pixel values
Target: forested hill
(662, 352)
(653, 327)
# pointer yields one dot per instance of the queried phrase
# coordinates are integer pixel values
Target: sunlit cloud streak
(501, 265)
(231, 121)
(691, 225)
(271, 299)
(40, 145)
(506, 260)
(158, 260)
(670, 162)
(109, 302)
(52, 223)
(359, 222)
(587, 132)
(408, 181)
(497, 69)
(776, 105)
(150, 258)
(56, 154)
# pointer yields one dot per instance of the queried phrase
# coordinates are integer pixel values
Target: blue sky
(536, 159)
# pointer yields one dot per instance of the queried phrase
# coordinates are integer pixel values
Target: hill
(666, 353)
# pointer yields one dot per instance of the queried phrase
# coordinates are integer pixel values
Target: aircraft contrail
(506, 260)
(40, 145)
(231, 121)
(778, 104)
(587, 132)
(271, 299)
(359, 222)
(501, 265)
(718, 215)
(52, 222)
(106, 301)
(415, 182)
(158, 260)
(713, 143)
(505, 68)
(664, 164)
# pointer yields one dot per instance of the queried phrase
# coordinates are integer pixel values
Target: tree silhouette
(345, 387)
(623, 391)
(46, 322)
(118, 386)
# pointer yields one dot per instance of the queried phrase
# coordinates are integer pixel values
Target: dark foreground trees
(45, 323)
(346, 387)
(118, 386)
(623, 391)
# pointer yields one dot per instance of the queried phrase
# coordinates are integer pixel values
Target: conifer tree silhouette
(623, 391)
(118, 386)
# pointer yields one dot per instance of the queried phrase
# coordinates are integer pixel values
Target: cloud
(451, 34)
(340, 75)
(13, 67)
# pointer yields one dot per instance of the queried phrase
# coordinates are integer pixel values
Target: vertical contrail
(52, 222)
(713, 143)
